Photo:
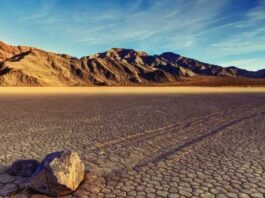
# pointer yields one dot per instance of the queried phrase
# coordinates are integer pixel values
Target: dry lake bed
(191, 142)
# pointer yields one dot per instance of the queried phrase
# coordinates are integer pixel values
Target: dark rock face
(25, 66)
(156, 76)
(260, 73)
(23, 168)
(170, 57)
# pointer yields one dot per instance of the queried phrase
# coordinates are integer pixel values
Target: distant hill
(27, 66)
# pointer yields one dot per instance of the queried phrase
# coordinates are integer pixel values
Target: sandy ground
(144, 145)
(127, 90)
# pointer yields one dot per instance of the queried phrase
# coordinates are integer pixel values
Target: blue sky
(225, 32)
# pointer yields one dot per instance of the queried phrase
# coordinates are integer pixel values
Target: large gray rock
(59, 173)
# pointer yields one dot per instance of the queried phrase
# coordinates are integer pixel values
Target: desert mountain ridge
(28, 66)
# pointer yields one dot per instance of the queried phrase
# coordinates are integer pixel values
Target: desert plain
(142, 142)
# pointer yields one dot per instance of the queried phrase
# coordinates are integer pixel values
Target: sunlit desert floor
(127, 90)
(163, 142)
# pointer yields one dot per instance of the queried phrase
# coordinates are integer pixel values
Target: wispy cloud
(257, 13)
(203, 29)
(248, 34)
(246, 39)
(242, 43)
(246, 63)
(34, 17)
(168, 22)
(164, 21)
(43, 15)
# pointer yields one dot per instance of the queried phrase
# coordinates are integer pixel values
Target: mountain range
(28, 66)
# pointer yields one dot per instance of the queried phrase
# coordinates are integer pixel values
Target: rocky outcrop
(8, 51)
(26, 66)
(246, 73)
(197, 67)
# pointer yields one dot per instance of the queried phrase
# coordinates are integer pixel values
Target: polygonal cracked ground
(144, 145)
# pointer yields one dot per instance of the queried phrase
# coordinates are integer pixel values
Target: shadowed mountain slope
(26, 66)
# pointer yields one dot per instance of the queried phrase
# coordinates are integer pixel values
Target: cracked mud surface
(172, 145)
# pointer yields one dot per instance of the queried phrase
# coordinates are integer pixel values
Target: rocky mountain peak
(7, 51)
(170, 56)
(27, 66)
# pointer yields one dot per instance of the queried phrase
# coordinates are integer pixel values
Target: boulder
(59, 173)
(23, 168)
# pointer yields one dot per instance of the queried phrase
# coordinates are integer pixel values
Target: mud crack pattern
(142, 145)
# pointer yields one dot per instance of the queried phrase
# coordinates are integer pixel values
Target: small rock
(23, 168)
(60, 173)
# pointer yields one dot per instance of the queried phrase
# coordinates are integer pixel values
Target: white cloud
(168, 22)
(257, 13)
(177, 25)
(165, 22)
(247, 35)
(43, 15)
(241, 44)
(34, 17)
(246, 63)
